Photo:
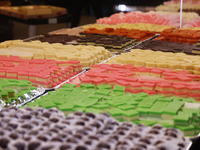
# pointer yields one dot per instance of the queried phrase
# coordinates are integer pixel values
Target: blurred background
(82, 11)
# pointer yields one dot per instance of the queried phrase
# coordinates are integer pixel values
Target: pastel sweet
(158, 18)
(79, 130)
(124, 106)
(87, 55)
(173, 61)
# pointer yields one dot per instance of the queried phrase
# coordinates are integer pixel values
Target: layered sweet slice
(46, 73)
(161, 60)
(87, 55)
(142, 79)
(124, 106)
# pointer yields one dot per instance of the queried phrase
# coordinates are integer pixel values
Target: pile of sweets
(174, 6)
(113, 43)
(158, 59)
(129, 33)
(87, 55)
(57, 38)
(185, 15)
(169, 46)
(184, 35)
(46, 73)
(12, 92)
(68, 31)
(28, 129)
(181, 113)
(138, 26)
(150, 18)
(142, 79)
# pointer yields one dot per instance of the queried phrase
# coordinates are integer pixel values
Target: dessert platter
(51, 129)
(131, 81)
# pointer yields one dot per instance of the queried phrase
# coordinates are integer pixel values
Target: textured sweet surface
(26, 129)
(184, 35)
(136, 26)
(46, 73)
(175, 61)
(158, 18)
(138, 108)
(87, 55)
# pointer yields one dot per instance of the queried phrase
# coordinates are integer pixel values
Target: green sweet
(47, 105)
(119, 89)
(130, 113)
(142, 94)
(65, 107)
(96, 97)
(132, 102)
(23, 86)
(108, 87)
(148, 122)
(166, 99)
(116, 104)
(142, 111)
(59, 101)
(187, 130)
(116, 94)
(68, 85)
(189, 100)
(166, 124)
(173, 107)
(4, 95)
(95, 111)
(101, 106)
(126, 107)
(102, 92)
(182, 118)
(115, 112)
(87, 86)
(79, 109)
(33, 88)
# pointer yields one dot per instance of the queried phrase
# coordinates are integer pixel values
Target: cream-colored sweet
(149, 58)
(87, 55)
(139, 26)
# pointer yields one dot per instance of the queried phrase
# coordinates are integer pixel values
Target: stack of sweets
(50, 129)
(123, 106)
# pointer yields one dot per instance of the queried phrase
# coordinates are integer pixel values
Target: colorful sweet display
(142, 79)
(137, 26)
(129, 33)
(169, 46)
(171, 19)
(87, 55)
(181, 113)
(158, 59)
(50, 129)
(15, 92)
(46, 73)
(185, 35)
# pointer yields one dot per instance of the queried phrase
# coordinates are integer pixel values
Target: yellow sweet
(174, 61)
(87, 55)
(140, 26)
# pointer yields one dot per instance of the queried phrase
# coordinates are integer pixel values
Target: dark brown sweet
(167, 46)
